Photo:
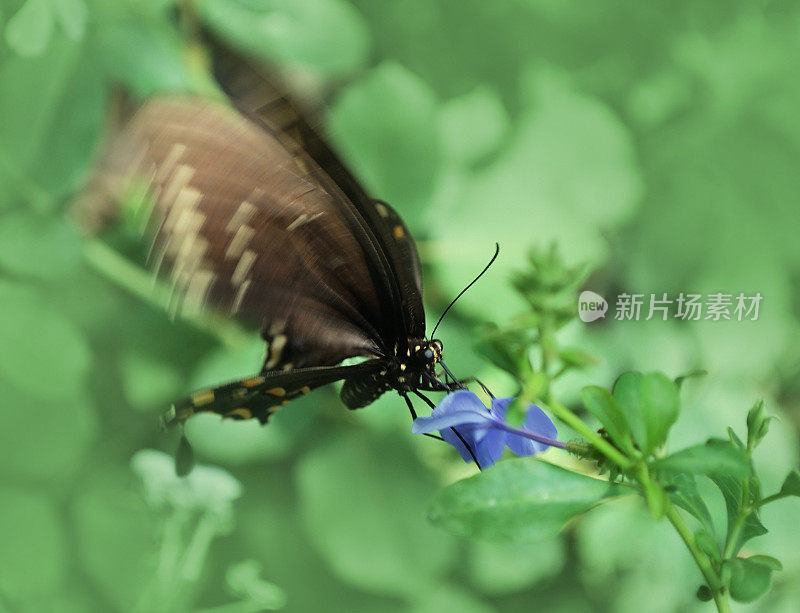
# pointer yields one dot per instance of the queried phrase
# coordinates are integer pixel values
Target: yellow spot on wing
(240, 412)
(253, 381)
(277, 391)
(305, 389)
(398, 232)
(201, 398)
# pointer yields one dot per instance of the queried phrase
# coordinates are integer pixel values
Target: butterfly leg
(456, 432)
(414, 416)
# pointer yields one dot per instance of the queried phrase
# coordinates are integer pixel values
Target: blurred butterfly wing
(242, 225)
(254, 92)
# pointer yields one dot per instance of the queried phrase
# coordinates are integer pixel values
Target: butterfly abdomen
(358, 392)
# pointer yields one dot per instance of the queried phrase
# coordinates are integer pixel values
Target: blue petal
(535, 421)
(449, 436)
(435, 422)
(490, 447)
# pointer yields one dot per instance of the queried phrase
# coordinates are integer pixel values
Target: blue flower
(482, 434)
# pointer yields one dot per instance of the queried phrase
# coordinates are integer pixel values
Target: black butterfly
(255, 215)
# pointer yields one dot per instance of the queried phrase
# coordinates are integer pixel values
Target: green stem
(738, 524)
(701, 559)
(773, 498)
(597, 441)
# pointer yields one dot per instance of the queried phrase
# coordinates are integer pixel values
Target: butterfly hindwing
(260, 396)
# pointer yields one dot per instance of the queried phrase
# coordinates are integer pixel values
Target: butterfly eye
(428, 354)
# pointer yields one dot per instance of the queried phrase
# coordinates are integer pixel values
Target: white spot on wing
(240, 294)
(177, 182)
(243, 267)
(275, 350)
(242, 215)
(239, 241)
(169, 162)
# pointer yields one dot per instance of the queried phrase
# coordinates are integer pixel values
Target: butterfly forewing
(239, 226)
(253, 91)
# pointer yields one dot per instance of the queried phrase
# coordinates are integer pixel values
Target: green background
(659, 142)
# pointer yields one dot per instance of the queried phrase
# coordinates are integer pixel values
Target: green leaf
(29, 30)
(731, 489)
(750, 578)
(516, 501)
(684, 493)
(600, 403)
(651, 404)
(714, 457)
(735, 438)
(577, 358)
(757, 425)
(705, 541)
(791, 485)
(681, 379)
(39, 246)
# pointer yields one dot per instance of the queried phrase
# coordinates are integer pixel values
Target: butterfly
(253, 214)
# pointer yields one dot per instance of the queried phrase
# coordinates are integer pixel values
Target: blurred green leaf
(34, 556)
(115, 536)
(244, 579)
(501, 568)
(144, 54)
(385, 125)
(328, 36)
(370, 528)
(714, 457)
(604, 407)
(29, 30)
(43, 353)
(448, 598)
(519, 500)
(149, 383)
(38, 246)
(472, 125)
(45, 440)
(750, 578)
(53, 108)
(651, 404)
(72, 15)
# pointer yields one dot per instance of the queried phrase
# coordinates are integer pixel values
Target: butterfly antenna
(471, 283)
